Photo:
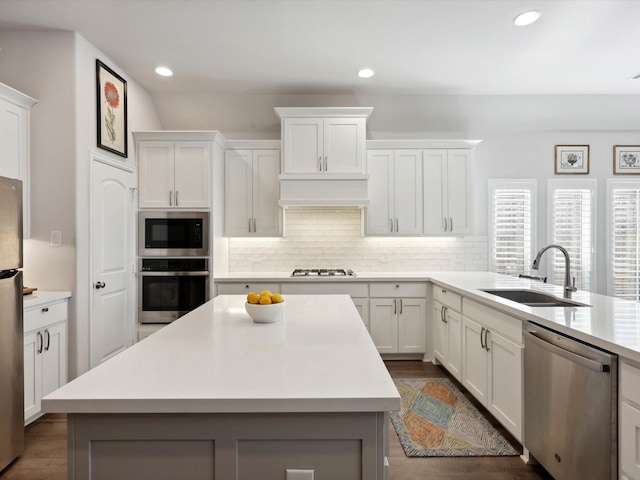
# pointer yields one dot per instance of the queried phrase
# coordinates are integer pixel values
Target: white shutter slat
(625, 242)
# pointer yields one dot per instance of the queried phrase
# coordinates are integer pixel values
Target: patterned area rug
(437, 420)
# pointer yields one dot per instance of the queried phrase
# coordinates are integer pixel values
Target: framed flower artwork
(112, 110)
(626, 159)
(572, 159)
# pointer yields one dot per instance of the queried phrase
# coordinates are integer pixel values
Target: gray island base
(217, 396)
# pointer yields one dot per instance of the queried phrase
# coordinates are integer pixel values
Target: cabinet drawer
(630, 382)
(499, 322)
(44, 315)
(447, 298)
(244, 288)
(355, 290)
(398, 290)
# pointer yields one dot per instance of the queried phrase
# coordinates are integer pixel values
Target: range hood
(336, 190)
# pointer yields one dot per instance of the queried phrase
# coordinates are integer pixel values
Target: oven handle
(174, 274)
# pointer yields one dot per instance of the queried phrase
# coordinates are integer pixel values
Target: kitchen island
(215, 395)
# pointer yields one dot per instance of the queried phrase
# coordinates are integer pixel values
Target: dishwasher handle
(574, 357)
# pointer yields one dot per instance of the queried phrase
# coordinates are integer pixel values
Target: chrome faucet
(568, 285)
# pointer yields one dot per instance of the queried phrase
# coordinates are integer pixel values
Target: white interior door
(112, 323)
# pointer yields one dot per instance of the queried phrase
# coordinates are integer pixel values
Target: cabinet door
(453, 362)
(362, 305)
(303, 139)
(412, 325)
(383, 324)
(380, 210)
(156, 160)
(344, 145)
(32, 375)
(238, 173)
(266, 192)
(54, 358)
(474, 360)
(434, 199)
(505, 382)
(440, 334)
(192, 172)
(407, 188)
(629, 441)
(459, 192)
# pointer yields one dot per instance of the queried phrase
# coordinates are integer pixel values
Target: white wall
(58, 69)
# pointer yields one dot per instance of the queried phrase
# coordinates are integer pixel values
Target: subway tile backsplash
(331, 238)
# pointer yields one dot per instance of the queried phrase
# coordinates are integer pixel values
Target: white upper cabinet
(174, 169)
(14, 141)
(251, 192)
(448, 192)
(323, 140)
(395, 192)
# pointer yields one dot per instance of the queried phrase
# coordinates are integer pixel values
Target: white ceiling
(304, 46)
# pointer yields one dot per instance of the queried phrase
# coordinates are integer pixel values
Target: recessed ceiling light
(526, 18)
(365, 73)
(164, 71)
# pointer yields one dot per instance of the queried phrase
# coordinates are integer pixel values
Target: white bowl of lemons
(264, 307)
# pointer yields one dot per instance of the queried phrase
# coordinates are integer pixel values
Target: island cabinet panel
(629, 421)
(246, 446)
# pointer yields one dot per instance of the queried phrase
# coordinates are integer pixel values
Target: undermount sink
(532, 298)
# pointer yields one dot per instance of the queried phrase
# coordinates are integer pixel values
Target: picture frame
(626, 159)
(572, 159)
(111, 106)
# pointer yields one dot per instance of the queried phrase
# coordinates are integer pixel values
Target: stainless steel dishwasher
(570, 395)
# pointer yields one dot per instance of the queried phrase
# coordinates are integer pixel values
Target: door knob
(100, 285)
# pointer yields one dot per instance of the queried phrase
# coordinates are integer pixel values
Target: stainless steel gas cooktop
(323, 272)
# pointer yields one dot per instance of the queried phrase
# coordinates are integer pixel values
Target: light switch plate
(298, 474)
(56, 238)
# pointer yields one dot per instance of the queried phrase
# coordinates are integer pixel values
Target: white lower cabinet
(245, 288)
(447, 330)
(629, 421)
(398, 324)
(492, 352)
(45, 354)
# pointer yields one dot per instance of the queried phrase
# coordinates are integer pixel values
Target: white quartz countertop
(607, 322)
(38, 298)
(318, 357)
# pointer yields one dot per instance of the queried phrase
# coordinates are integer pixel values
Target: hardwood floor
(45, 455)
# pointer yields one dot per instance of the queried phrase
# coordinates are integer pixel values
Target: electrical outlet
(298, 474)
(56, 238)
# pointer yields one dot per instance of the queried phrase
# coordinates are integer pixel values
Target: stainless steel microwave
(175, 234)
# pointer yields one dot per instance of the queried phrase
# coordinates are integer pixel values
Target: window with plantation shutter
(572, 225)
(623, 208)
(511, 225)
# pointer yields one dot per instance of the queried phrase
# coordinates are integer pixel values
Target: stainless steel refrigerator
(11, 326)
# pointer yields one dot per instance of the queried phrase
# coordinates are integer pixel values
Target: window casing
(511, 225)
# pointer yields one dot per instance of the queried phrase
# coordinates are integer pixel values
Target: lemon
(265, 300)
(265, 293)
(253, 297)
(277, 298)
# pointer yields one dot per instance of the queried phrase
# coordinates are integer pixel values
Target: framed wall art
(626, 159)
(572, 159)
(112, 110)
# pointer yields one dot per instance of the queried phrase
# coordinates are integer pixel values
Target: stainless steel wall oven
(173, 234)
(171, 287)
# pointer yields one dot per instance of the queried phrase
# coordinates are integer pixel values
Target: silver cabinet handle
(486, 342)
(445, 224)
(443, 314)
(320, 163)
(177, 199)
(100, 285)
(170, 198)
(249, 225)
(450, 224)
(45, 309)
(254, 226)
(397, 226)
(391, 224)
(394, 306)
(325, 163)
(481, 335)
(40, 342)
(48, 337)
(400, 306)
